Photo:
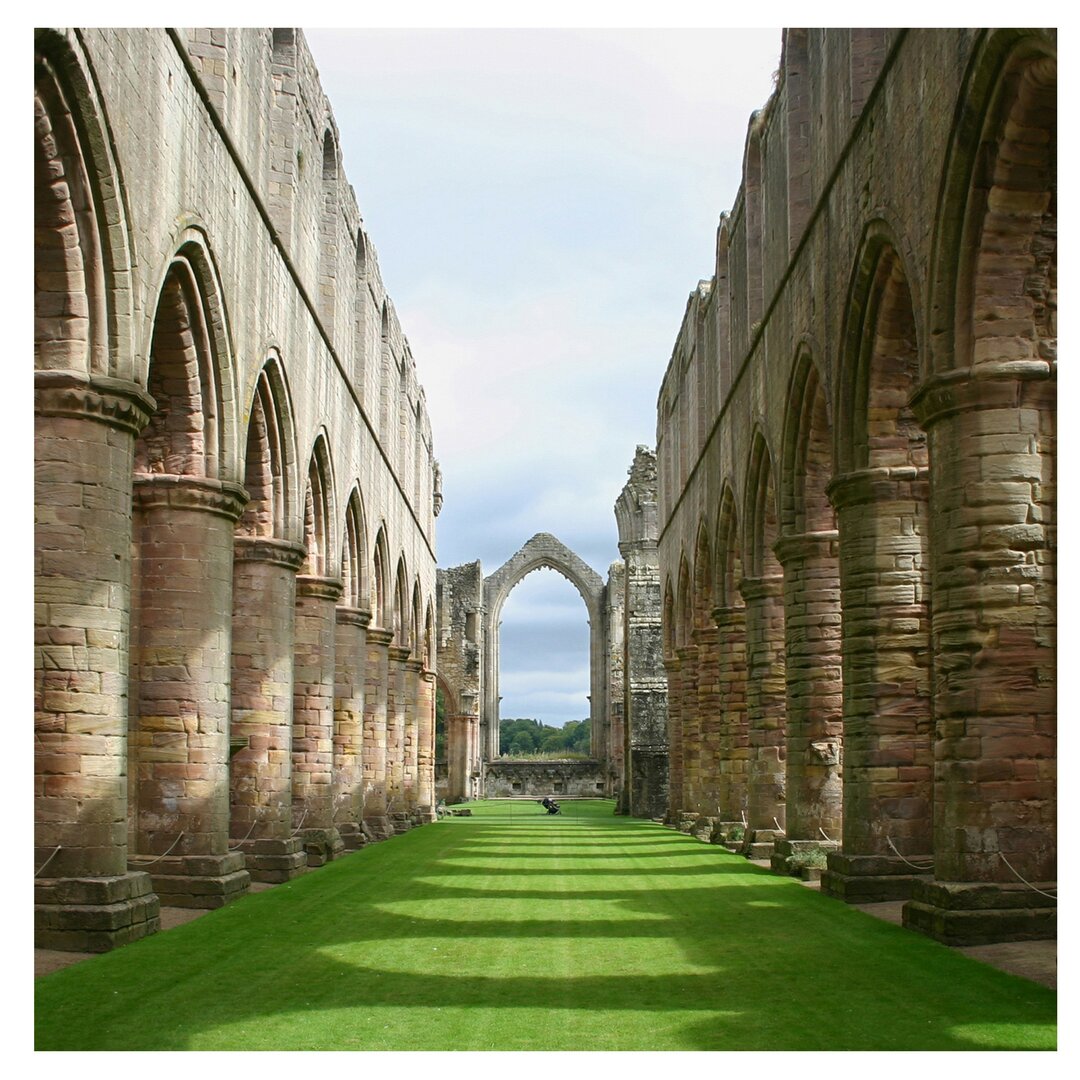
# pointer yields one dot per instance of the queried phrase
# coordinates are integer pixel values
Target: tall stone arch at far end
(542, 550)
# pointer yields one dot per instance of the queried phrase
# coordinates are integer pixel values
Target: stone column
(733, 743)
(84, 439)
(881, 515)
(180, 732)
(814, 727)
(765, 701)
(350, 658)
(991, 431)
(691, 730)
(411, 769)
(376, 697)
(462, 741)
(425, 729)
(673, 667)
(396, 707)
(263, 625)
(705, 799)
(313, 718)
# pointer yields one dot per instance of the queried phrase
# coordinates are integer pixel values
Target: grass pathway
(511, 930)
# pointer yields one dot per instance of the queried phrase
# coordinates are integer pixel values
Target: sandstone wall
(855, 445)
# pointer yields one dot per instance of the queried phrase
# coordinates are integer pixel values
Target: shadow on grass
(400, 946)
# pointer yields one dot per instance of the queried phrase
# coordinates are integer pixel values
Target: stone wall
(235, 484)
(855, 446)
(535, 779)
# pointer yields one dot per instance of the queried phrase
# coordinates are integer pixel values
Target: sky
(542, 202)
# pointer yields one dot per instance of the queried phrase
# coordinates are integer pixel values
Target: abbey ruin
(235, 487)
(855, 443)
(831, 631)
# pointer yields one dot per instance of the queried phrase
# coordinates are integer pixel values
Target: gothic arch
(354, 563)
(319, 515)
(542, 550)
(82, 259)
(381, 604)
(270, 458)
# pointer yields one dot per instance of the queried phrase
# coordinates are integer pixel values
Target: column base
(686, 821)
(321, 845)
(401, 821)
(760, 843)
(377, 827)
(197, 881)
(804, 859)
(728, 834)
(352, 835)
(980, 913)
(871, 879)
(94, 914)
(425, 814)
(274, 861)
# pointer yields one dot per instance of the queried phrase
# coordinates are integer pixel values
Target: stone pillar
(84, 437)
(673, 667)
(350, 658)
(313, 718)
(263, 624)
(733, 742)
(690, 727)
(881, 515)
(411, 756)
(396, 707)
(376, 697)
(425, 731)
(462, 743)
(814, 727)
(705, 800)
(765, 701)
(183, 531)
(991, 432)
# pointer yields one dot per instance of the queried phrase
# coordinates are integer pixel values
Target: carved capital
(983, 386)
(221, 497)
(265, 549)
(686, 653)
(351, 616)
(378, 635)
(865, 486)
(672, 665)
(761, 588)
(313, 587)
(415, 665)
(109, 401)
(810, 545)
(727, 616)
(399, 653)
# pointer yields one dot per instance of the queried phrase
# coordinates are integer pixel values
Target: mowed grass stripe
(512, 930)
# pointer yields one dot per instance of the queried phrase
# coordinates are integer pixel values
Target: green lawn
(511, 930)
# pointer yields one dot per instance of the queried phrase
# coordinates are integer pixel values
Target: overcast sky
(542, 202)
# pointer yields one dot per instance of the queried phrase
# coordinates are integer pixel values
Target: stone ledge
(963, 913)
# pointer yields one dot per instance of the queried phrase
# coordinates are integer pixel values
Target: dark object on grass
(550, 805)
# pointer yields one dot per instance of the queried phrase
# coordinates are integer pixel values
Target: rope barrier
(249, 832)
(1050, 896)
(825, 834)
(163, 854)
(779, 827)
(301, 825)
(48, 860)
(928, 866)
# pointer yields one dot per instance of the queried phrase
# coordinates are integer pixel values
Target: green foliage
(532, 739)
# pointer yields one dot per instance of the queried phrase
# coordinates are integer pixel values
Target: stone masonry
(232, 451)
(856, 458)
(628, 698)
